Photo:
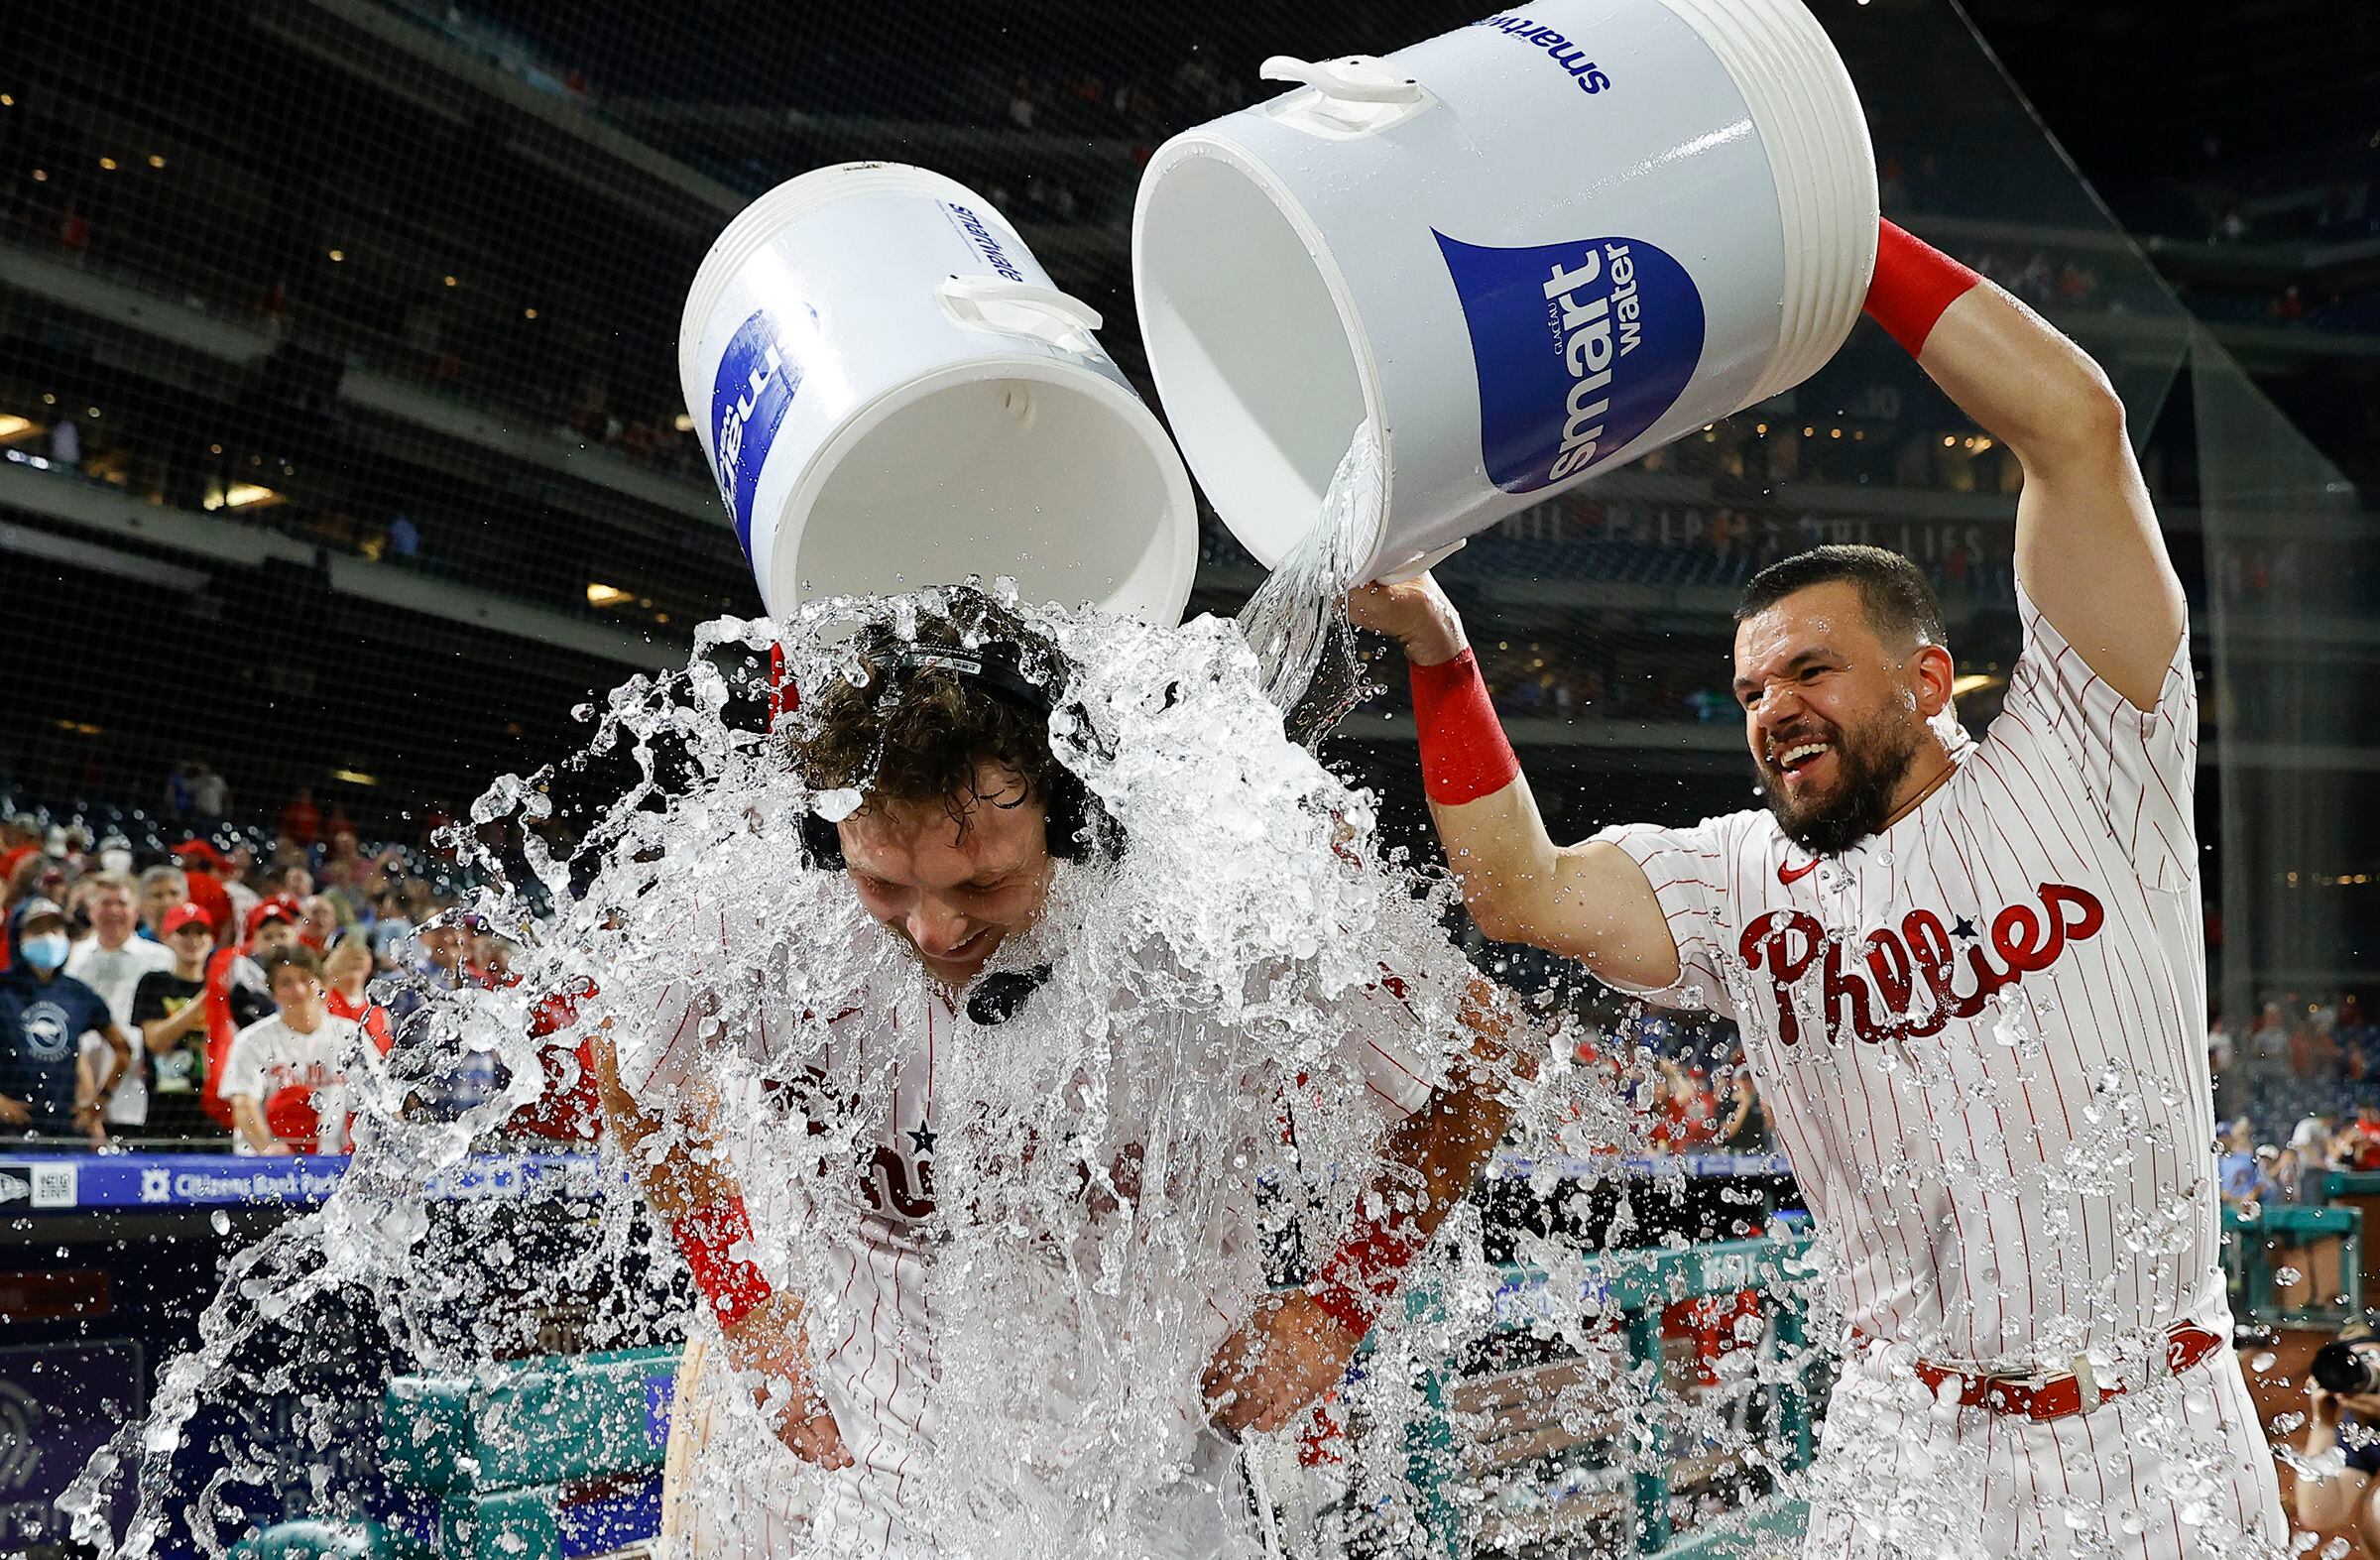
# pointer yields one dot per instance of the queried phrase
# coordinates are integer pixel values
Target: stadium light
(108, 163)
(1973, 683)
(605, 595)
(156, 160)
(240, 495)
(11, 426)
(355, 777)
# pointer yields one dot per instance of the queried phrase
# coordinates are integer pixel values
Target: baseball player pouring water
(1969, 976)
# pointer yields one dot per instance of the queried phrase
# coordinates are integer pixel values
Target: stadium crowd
(213, 997)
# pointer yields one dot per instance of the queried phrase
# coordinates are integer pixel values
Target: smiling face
(1834, 715)
(953, 888)
(111, 916)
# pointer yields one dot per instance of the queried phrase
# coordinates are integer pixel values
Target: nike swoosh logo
(1792, 875)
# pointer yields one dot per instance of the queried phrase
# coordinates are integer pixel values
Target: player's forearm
(1435, 1155)
(1433, 1158)
(673, 1161)
(685, 1181)
(2327, 1500)
(1487, 817)
(1504, 860)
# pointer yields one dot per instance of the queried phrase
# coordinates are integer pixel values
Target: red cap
(289, 1114)
(197, 850)
(187, 914)
(279, 907)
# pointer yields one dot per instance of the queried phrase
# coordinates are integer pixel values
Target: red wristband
(732, 1285)
(1463, 754)
(1353, 1287)
(1915, 283)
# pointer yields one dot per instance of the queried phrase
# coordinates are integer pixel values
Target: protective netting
(339, 399)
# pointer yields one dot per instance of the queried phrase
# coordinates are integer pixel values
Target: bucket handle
(1334, 78)
(1023, 309)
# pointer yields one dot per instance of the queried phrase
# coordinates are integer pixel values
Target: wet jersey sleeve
(2137, 768)
(1691, 873)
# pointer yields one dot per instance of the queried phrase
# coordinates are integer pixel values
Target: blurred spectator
(44, 1014)
(412, 996)
(238, 862)
(203, 866)
(173, 1009)
(319, 923)
(111, 962)
(1686, 1114)
(66, 444)
(2361, 1148)
(285, 1076)
(302, 820)
(403, 538)
(1749, 1127)
(390, 925)
(569, 1109)
(197, 795)
(2341, 1453)
(2235, 1167)
(347, 972)
(162, 889)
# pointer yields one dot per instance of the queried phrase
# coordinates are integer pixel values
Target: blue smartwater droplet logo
(1577, 348)
(748, 396)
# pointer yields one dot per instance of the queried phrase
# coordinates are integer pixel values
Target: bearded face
(1832, 717)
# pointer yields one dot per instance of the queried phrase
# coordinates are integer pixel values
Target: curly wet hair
(908, 733)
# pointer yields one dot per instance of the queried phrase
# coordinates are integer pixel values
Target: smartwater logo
(748, 398)
(1569, 55)
(1578, 349)
(973, 228)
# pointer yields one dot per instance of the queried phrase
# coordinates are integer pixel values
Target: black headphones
(1079, 824)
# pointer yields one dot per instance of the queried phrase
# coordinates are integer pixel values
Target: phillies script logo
(2023, 938)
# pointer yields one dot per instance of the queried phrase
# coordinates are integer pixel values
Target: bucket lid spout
(1354, 95)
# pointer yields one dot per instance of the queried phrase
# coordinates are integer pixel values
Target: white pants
(2176, 1469)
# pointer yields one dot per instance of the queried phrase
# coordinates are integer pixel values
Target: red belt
(2054, 1397)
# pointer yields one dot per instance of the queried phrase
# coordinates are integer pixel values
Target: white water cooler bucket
(893, 395)
(1524, 252)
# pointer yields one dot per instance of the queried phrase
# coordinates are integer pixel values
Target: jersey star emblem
(1962, 927)
(923, 1140)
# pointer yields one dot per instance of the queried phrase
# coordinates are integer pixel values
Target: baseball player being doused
(1969, 978)
(938, 1298)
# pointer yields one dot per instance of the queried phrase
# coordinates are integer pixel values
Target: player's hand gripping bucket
(1524, 252)
(894, 395)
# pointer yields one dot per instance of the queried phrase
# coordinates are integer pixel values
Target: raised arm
(1590, 902)
(2087, 549)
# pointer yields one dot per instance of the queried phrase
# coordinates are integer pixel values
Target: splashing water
(1091, 1206)
(1296, 621)
(1097, 1189)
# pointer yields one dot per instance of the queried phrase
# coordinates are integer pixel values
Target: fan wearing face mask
(44, 1014)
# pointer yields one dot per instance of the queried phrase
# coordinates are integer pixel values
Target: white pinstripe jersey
(873, 1336)
(1983, 1030)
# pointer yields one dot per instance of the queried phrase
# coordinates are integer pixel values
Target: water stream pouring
(1520, 253)
(892, 392)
